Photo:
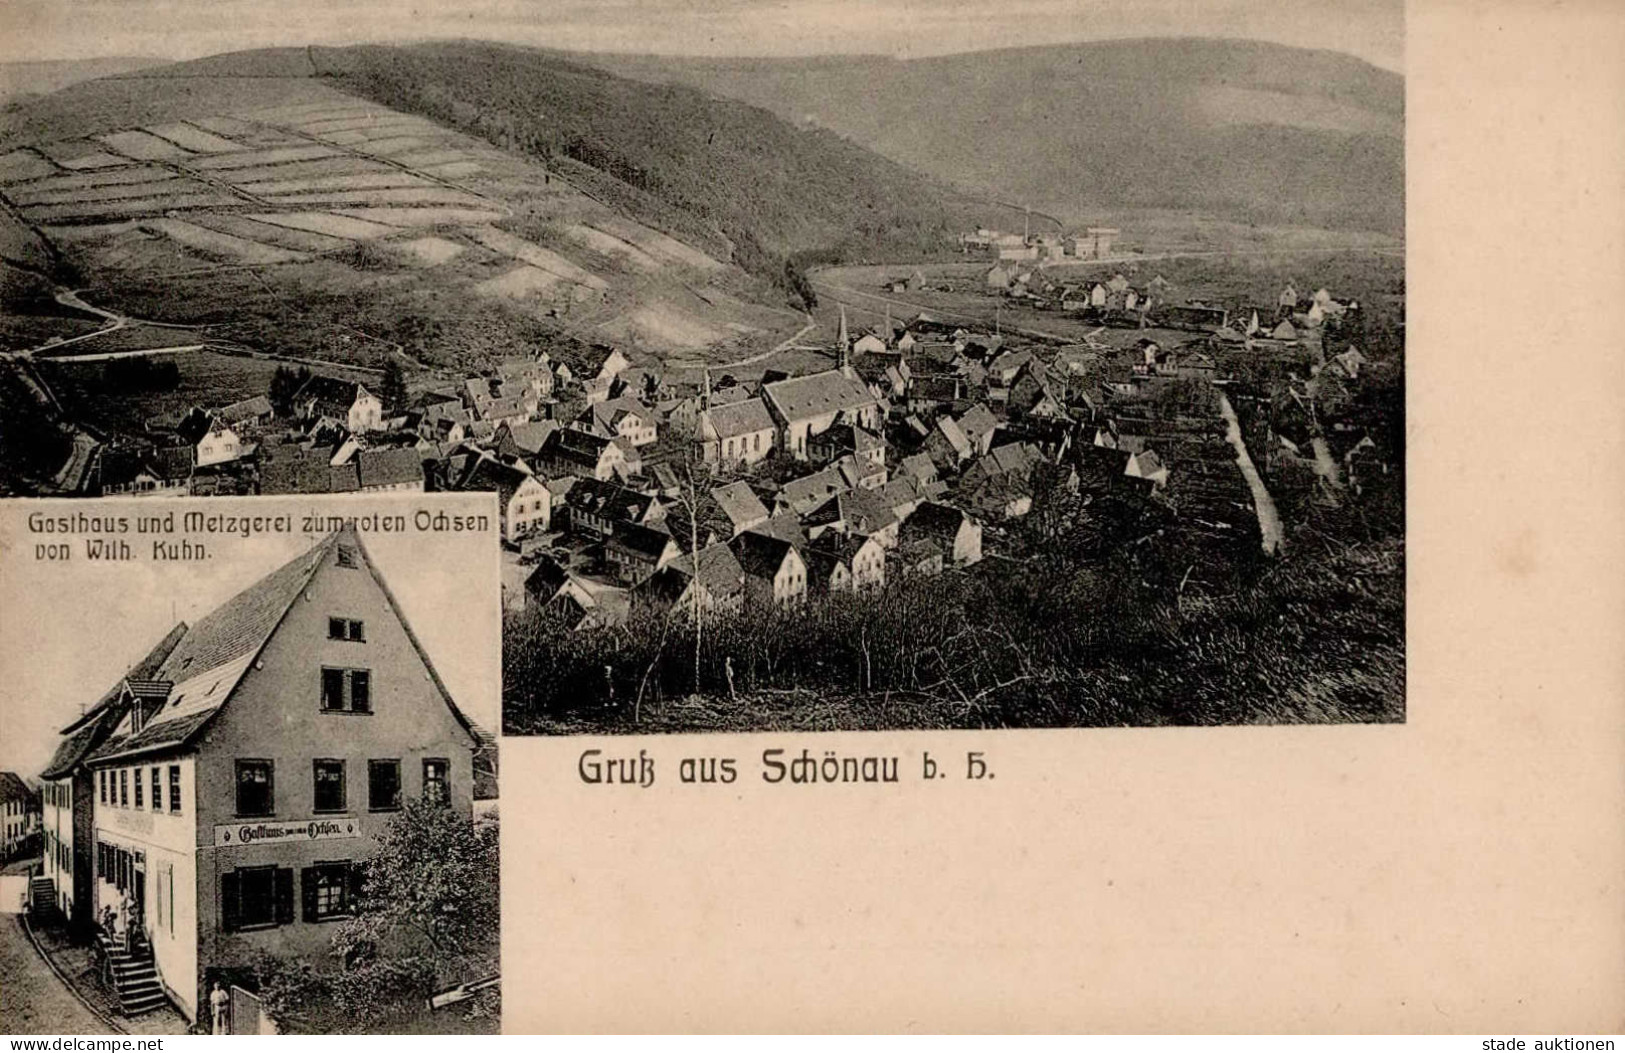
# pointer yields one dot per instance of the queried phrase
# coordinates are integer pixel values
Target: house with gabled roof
(524, 503)
(69, 791)
(348, 401)
(248, 413)
(390, 468)
(808, 405)
(254, 768)
(711, 581)
(740, 505)
(957, 533)
(636, 551)
(213, 439)
(600, 509)
(737, 432)
(569, 451)
(19, 813)
(774, 569)
(624, 418)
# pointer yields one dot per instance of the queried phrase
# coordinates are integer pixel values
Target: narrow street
(1269, 519)
(32, 1000)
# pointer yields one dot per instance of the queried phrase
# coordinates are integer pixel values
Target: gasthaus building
(253, 758)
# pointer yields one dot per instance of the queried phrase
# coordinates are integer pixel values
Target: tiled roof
(810, 491)
(740, 504)
(800, 398)
(608, 499)
(242, 623)
(390, 467)
(760, 555)
(734, 419)
(329, 391)
(642, 540)
(258, 406)
(231, 632)
(719, 571)
(13, 789)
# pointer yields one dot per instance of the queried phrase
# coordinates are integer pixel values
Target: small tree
(393, 386)
(430, 889)
(427, 916)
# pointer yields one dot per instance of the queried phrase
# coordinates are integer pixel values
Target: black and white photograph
(834, 366)
(264, 780)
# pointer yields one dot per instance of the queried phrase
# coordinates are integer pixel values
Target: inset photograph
(267, 784)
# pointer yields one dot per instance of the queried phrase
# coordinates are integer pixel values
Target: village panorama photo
(265, 788)
(916, 367)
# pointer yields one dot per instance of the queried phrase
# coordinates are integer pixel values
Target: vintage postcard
(927, 492)
(260, 732)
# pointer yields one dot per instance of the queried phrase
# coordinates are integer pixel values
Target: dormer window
(346, 556)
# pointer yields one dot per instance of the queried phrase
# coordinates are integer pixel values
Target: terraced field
(326, 183)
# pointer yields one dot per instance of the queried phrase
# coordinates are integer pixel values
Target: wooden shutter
(284, 896)
(230, 900)
(307, 892)
(358, 883)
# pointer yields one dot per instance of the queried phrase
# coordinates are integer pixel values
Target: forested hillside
(772, 190)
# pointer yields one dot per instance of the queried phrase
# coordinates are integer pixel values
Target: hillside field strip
(282, 186)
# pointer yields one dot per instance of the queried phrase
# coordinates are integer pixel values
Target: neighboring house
(398, 468)
(977, 426)
(347, 400)
(740, 504)
(214, 441)
(20, 810)
(774, 569)
(947, 445)
(861, 562)
(1147, 465)
(735, 432)
(624, 418)
(711, 581)
(524, 503)
(807, 406)
(636, 552)
(141, 473)
(600, 509)
(593, 367)
(523, 441)
(956, 533)
(802, 495)
(69, 796)
(569, 451)
(294, 468)
(256, 768)
(247, 415)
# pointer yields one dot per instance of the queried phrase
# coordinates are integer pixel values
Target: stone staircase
(42, 908)
(135, 976)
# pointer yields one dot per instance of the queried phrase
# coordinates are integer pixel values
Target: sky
(78, 29)
(68, 632)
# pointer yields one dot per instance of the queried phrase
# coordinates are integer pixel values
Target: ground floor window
(256, 897)
(329, 890)
(437, 780)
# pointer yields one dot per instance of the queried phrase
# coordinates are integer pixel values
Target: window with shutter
(284, 896)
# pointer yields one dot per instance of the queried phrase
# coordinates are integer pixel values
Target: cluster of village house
(213, 804)
(1095, 243)
(20, 808)
(617, 484)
